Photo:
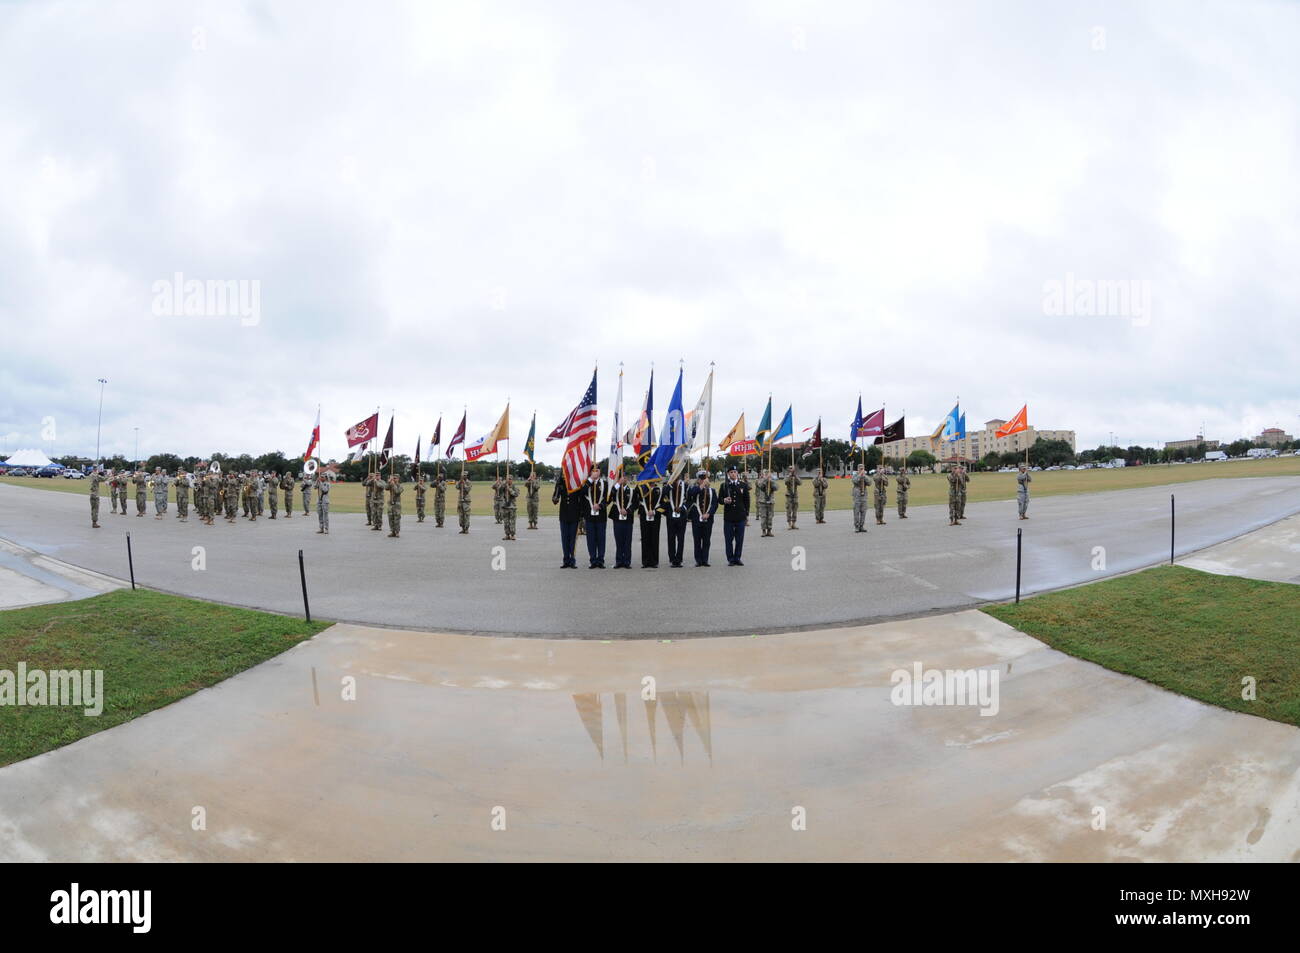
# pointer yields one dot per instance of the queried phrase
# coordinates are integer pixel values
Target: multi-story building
(1191, 444)
(1273, 437)
(977, 443)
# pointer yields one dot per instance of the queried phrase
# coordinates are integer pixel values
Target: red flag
(1018, 423)
(314, 442)
(874, 425)
(364, 431)
(457, 437)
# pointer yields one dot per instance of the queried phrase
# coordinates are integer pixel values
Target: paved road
(438, 579)
(445, 729)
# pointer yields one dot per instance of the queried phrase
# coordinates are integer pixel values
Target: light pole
(99, 424)
(136, 461)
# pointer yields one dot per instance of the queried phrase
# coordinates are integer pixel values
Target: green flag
(531, 442)
(763, 436)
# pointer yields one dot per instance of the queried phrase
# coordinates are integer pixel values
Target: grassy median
(152, 648)
(1191, 632)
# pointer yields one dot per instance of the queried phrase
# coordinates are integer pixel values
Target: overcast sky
(451, 204)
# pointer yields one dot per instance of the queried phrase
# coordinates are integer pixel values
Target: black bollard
(302, 574)
(129, 562)
(1171, 529)
(1018, 533)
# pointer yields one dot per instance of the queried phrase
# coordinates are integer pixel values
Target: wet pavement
(1271, 553)
(482, 748)
(815, 576)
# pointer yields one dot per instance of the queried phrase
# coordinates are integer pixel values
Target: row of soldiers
(215, 494)
(505, 496)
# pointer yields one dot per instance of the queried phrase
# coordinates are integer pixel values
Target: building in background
(977, 443)
(1273, 437)
(1191, 444)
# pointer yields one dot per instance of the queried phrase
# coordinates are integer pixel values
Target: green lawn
(1191, 632)
(152, 648)
(926, 488)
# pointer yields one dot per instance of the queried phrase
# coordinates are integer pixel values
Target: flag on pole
(951, 423)
(580, 429)
(1018, 423)
(892, 432)
(415, 467)
(700, 421)
(437, 436)
(641, 435)
(458, 436)
(616, 432)
(786, 428)
(763, 436)
(314, 442)
(874, 424)
(365, 431)
(816, 440)
(386, 451)
(736, 435)
(670, 455)
(855, 428)
(530, 445)
(488, 444)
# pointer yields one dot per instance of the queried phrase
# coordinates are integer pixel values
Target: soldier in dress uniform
(394, 506)
(571, 507)
(704, 503)
(596, 493)
(96, 476)
(820, 483)
(439, 497)
(792, 482)
(622, 513)
(462, 503)
(183, 496)
(880, 487)
(322, 501)
(765, 494)
(677, 501)
(954, 495)
(421, 488)
(650, 510)
(532, 487)
(735, 513)
(860, 484)
(902, 483)
(1023, 479)
(509, 505)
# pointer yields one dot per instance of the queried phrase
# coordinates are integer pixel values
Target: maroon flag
(385, 451)
(816, 440)
(437, 435)
(457, 437)
(892, 432)
(365, 431)
(874, 425)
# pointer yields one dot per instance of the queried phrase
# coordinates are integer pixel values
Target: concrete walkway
(27, 578)
(1271, 553)
(744, 735)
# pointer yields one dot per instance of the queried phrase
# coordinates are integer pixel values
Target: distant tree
(920, 458)
(168, 461)
(273, 462)
(1050, 453)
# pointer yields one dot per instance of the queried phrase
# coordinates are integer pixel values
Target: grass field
(1191, 632)
(928, 488)
(152, 648)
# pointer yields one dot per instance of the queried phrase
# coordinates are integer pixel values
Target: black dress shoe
(738, 563)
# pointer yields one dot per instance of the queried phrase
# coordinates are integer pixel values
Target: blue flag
(787, 425)
(855, 431)
(671, 440)
(951, 424)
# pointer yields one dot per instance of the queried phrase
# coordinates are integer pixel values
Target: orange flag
(1018, 423)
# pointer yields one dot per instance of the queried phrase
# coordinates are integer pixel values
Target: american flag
(580, 429)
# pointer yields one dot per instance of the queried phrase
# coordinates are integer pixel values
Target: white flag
(616, 434)
(702, 419)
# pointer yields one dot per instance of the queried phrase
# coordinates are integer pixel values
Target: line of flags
(682, 434)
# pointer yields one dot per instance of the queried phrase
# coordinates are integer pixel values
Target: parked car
(73, 474)
(17, 472)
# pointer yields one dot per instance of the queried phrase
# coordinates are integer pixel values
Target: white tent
(28, 458)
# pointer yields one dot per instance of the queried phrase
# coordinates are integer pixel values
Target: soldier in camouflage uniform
(820, 483)
(509, 505)
(880, 487)
(1022, 491)
(306, 494)
(421, 487)
(250, 495)
(112, 489)
(765, 494)
(272, 498)
(497, 485)
(792, 482)
(376, 496)
(322, 501)
(95, 478)
(903, 483)
(961, 498)
(860, 483)
(954, 494)
(141, 485)
(394, 506)
(531, 489)
(439, 497)
(231, 488)
(286, 484)
(259, 490)
(462, 502)
(122, 482)
(182, 496)
(159, 481)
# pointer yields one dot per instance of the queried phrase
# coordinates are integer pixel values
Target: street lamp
(100, 423)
